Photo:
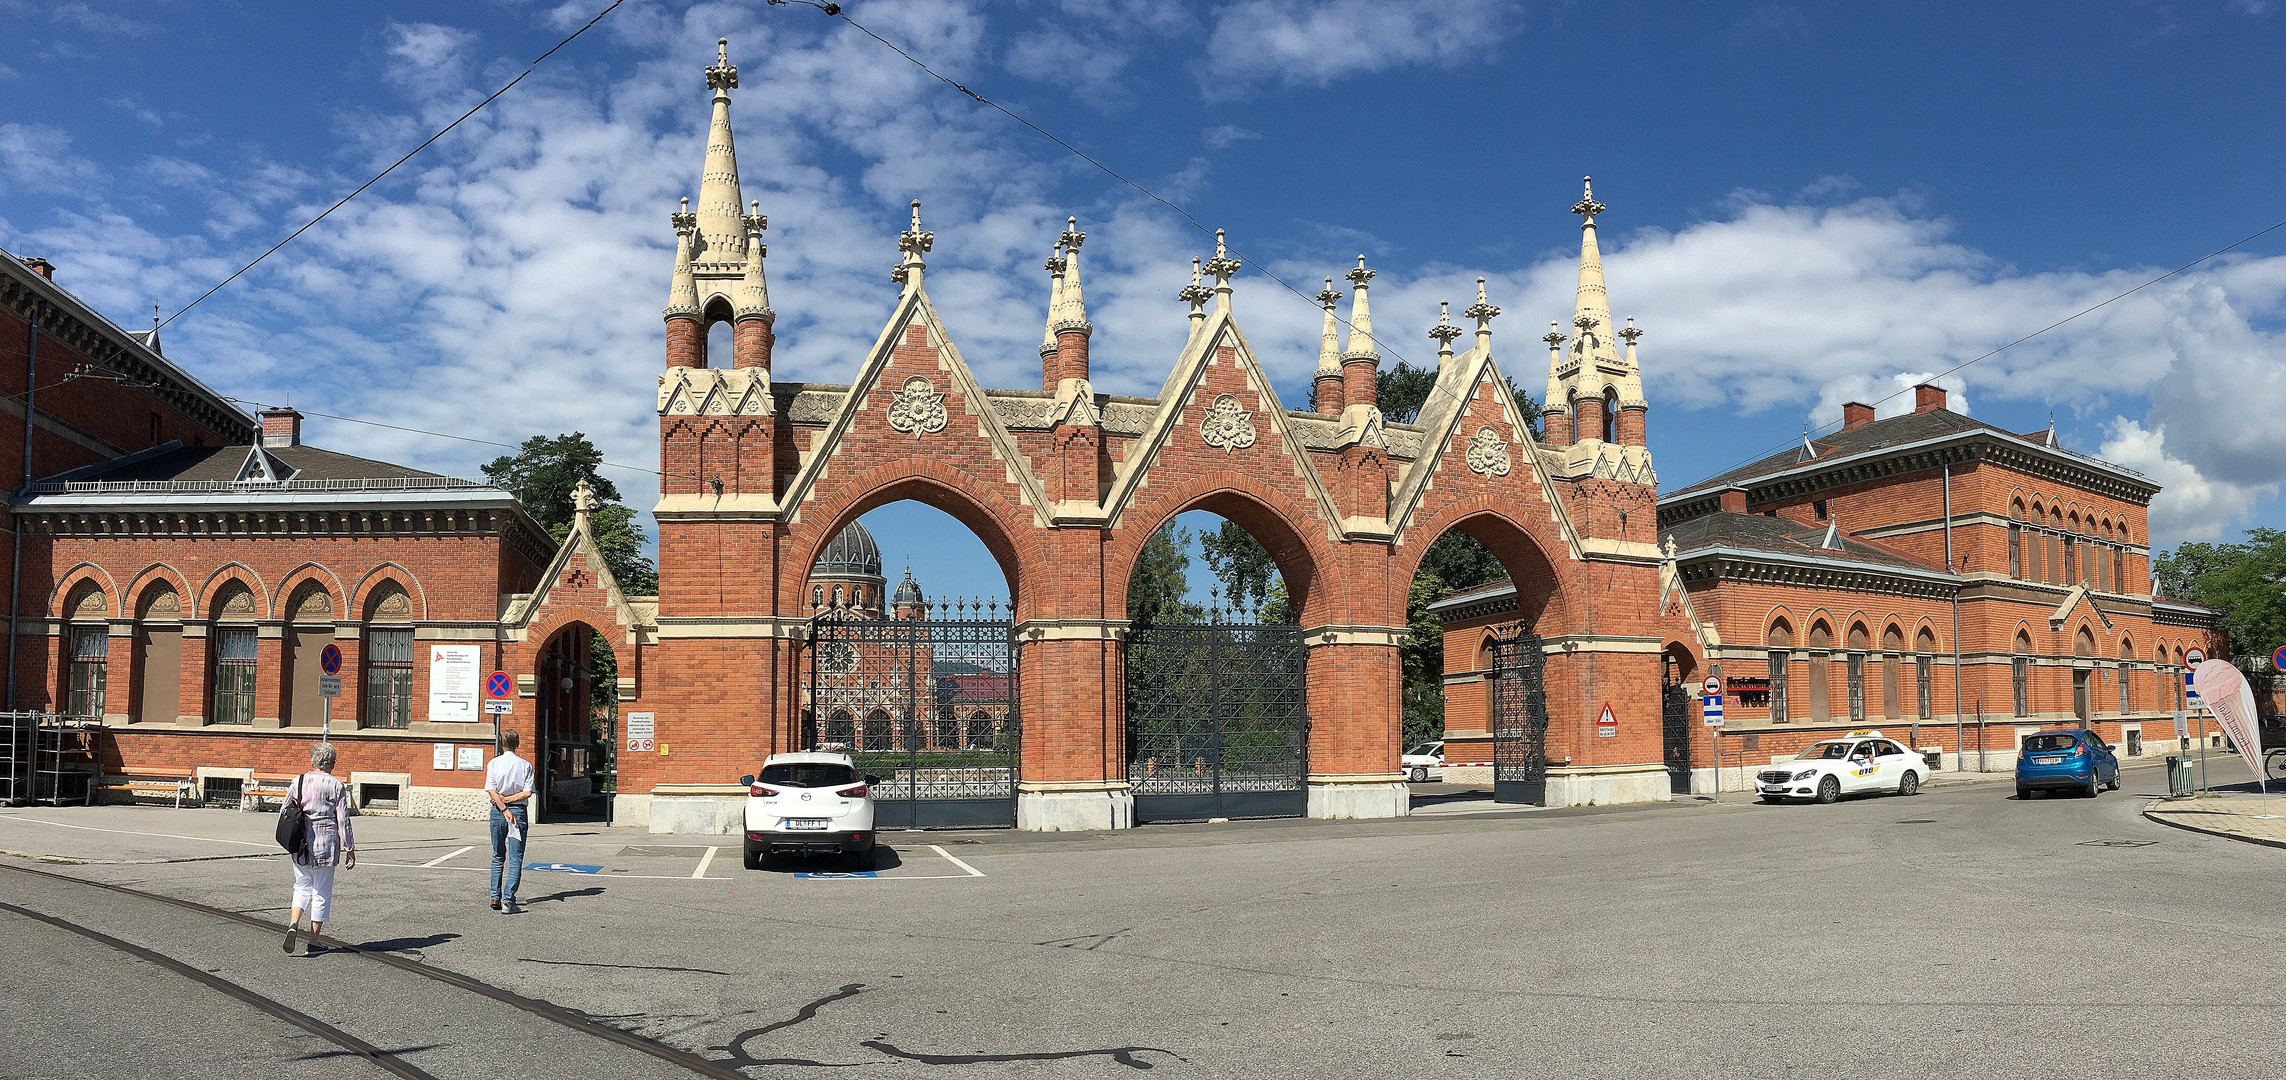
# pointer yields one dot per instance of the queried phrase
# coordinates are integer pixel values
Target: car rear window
(2051, 744)
(808, 774)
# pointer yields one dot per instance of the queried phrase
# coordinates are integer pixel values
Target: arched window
(1858, 640)
(2126, 669)
(1484, 663)
(1610, 414)
(1924, 671)
(2058, 573)
(2033, 563)
(2020, 673)
(2016, 540)
(980, 730)
(1821, 659)
(840, 731)
(817, 596)
(88, 640)
(1892, 658)
(159, 655)
(234, 655)
(388, 658)
(877, 730)
(1781, 647)
(2083, 648)
(2119, 568)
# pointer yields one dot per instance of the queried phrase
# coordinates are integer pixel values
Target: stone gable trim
(1441, 426)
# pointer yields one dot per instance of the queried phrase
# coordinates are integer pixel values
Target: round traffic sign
(1714, 686)
(329, 658)
(498, 686)
(2197, 657)
(2278, 659)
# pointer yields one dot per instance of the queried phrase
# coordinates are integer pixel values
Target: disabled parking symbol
(562, 868)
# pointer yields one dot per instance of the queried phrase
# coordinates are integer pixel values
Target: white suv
(809, 804)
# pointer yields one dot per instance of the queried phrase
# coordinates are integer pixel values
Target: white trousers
(313, 889)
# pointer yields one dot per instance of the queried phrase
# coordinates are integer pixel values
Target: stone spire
(1555, 412)
(1055, 268)
(1196, 295)
(1361, 361)
(753, 289)
(721, 225)
(1591, 302)
(912, 244)
(1579, 379)
(1483, 312)
(1326, 385)
(1067, 319)
(1444, 333)
(686, 339)
(1222, 268)
(1071, 306)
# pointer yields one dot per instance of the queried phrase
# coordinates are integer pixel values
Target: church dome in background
(853, 553)
(908, 591)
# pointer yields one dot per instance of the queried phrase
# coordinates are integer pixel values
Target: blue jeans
(507, 851)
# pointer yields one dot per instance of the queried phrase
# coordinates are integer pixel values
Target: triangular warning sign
(1607, 720)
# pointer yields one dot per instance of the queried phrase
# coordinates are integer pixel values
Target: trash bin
(2179, 776)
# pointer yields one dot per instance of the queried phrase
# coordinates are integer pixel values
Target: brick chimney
(41, 267)
(1927, 398)
(281, 427)
(1732, 500)
(1856, 414)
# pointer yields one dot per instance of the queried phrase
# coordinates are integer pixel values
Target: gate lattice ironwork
(1675, 734)
(928, 706)
(1217, 721)
(1519, 721)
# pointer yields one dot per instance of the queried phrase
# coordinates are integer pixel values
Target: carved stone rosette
(1226, 425)
(917, 409)
(1488, 453)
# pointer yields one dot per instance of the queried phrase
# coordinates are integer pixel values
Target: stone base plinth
(1374, 796)
(1074, 807)
(1608, 785)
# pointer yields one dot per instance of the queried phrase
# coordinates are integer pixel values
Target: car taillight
(857, 792)
(760, 792)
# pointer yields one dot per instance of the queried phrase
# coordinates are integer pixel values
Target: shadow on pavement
(405, 944)
(883, 857)
(567, 894)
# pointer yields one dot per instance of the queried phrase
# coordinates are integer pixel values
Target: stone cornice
(101, 342)
(1734, 564)
(1991, 447)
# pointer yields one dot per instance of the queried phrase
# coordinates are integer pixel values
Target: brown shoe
(496, 905)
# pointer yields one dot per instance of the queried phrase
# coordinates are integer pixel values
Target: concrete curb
(2188, 827)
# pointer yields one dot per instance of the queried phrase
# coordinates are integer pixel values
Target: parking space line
(972, 871)
(704, 861)
(446, 858)
(133, 832)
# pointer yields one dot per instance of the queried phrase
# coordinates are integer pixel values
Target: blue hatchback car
(2065, 758)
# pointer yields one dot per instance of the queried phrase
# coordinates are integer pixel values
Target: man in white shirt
(508, 783)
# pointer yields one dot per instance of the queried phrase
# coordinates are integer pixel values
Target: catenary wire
(312, 223)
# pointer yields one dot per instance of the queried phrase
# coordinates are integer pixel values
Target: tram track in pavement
(568, 1018)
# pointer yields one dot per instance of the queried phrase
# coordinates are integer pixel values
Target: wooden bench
(177, 788)
(264, 786)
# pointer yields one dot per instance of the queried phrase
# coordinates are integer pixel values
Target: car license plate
(2047, 761)
(817, 823)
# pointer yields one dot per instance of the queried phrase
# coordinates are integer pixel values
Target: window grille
(1778, 686)
(234, 658)
(2021, 668)
(388, 679)
(1857, 686)
(1923, 670)
(90, 664)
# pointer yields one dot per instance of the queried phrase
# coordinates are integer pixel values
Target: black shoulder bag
(293, 836)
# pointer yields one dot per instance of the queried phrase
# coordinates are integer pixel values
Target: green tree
(1402, 390)
(1161, 579)
(2246, 581)
(542, 474)
(1454, 563)
(1241, 564)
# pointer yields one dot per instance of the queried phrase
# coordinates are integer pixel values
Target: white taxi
(1861, 762)
(809, 804)
(1420, 762)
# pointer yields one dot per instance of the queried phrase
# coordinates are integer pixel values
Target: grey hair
(321, 755)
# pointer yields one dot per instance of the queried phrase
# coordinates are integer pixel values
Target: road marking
(704, 861)
(134, 832)
(972, 871)
(446, 858)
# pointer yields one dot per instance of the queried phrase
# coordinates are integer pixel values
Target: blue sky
(1806, 202)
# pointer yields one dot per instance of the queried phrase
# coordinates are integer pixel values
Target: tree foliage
(1157, 588)
(2246, 581)
(1401, 391)
(1455, 563)
(1240, 564)
(542, 475)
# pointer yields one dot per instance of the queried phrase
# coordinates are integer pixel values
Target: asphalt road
(1958, 932)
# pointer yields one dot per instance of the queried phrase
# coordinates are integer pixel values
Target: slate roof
(1778, 536)
(1878, 435)
(220, 463)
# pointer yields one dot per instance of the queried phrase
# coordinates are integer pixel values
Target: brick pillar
(751, 340)
(270, 687)
(1073, 773)
(686, 342)
(1069, 361)
(1357, 725)
(1630, 426)
(348, 709)
(1588, 424)
(678, 455)
(1328, 394)
(1358, 380)
(1556, 427)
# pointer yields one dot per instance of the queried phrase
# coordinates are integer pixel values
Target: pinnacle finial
(1444, 332)
(583, 499)
(1072, 237)
(913, 243)
(1195, 294)
(683, 220)
(1631, 333)
(1361, 275)
(1554, 337)
(1328, 298)
(1587, 207)
(154, 315)
(1222, 267)
(756, 221)
(1482, 311)
(722, 76)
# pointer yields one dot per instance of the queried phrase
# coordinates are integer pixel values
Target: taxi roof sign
(1865, 733)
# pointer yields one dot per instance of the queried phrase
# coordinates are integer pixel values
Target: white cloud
(2194, 506)
(36, 157)
(1228, 135)
(1314, 42)
(426, 47)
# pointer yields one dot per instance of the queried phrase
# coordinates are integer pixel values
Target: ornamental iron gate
(1519, 721)
(927, 707)
(1217, 722)
(1675, 733)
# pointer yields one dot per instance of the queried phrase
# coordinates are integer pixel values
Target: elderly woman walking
(325, 814)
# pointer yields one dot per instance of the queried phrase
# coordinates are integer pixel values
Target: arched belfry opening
(918, 686)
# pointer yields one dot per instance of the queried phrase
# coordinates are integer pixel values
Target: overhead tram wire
(2224, 250)
(377, 177)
